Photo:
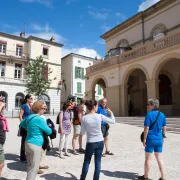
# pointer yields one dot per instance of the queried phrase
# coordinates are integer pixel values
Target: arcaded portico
(142, 62)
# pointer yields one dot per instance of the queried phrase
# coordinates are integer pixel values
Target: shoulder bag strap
(30, 120)
(155, 121)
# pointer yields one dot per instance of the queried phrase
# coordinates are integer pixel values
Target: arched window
(165, 92)
(122, 43)
(158, 31)
(4, 94)
(46, 99)
(19, 100)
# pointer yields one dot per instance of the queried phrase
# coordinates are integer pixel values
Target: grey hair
(154, 102)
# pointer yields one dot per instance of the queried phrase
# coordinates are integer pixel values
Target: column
(152, 88)
(175, 99)
(112, 95)
(90, 94)
(123, 100)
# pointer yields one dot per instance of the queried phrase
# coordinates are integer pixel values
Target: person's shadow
(55, 176)
(17, 165)
(120, 174)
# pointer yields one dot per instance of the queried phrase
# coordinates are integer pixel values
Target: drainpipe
(143, 34)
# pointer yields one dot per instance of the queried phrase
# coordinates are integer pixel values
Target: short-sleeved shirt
(102, 111)
(77, 110)
(156, 132)
(27, 111)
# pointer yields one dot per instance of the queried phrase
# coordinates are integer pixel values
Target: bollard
(53, 111)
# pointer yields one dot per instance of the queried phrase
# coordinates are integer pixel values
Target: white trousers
(63, 143)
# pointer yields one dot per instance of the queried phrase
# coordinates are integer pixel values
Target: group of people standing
(89, 117)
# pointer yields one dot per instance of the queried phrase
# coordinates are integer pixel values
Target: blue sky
(77, 24)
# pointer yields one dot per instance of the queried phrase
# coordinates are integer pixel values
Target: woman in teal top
(35, 126)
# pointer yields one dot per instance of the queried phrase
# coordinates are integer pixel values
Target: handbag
(22, 131)
(142, 134)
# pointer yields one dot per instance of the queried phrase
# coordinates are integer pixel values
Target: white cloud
(105, 28)
(146, 4)
(82, 51)
(121, 16)
(101, 14)
(47, 3)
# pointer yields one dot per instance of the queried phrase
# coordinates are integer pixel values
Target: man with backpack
(78, 114)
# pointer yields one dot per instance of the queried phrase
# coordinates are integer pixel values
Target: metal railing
(151, 47)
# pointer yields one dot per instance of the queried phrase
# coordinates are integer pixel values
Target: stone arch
(47, 100)
(102, 81)
(122, 41)
(161, 26)
(168, 74)
(158, 66)
(130, 70)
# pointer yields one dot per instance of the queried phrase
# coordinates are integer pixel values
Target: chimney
(22, 34)
(52, 39)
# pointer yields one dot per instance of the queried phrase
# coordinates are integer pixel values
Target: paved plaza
(127, 162)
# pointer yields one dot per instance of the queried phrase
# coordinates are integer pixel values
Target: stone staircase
(173, 123)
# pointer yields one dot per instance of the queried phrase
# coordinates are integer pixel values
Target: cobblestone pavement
(127, 162)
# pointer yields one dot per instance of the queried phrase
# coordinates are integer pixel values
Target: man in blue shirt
(153, 137)
(104, 126)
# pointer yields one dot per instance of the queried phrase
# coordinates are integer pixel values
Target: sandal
(44, 167)
(81, 150)
(109, 153)
(142, 178)
(75, 153)
(66, 154)
(40, 171)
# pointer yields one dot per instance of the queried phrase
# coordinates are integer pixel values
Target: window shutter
(99, 90)
(45, 73)
(82, 73)
(76, 72)
(78, 87)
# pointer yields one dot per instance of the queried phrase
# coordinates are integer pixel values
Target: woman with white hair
(154, 130)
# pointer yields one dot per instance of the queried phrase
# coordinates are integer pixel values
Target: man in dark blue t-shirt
(104, 126)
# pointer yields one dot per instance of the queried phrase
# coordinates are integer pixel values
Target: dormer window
(2, 48)
(45, 51)
(19, 50)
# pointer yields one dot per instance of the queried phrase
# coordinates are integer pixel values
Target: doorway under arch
(99, 89)
(46, 99)
(137, 93)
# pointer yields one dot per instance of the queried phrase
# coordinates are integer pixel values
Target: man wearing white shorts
(78, 114)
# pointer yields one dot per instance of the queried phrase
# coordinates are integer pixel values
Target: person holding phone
(103, 109)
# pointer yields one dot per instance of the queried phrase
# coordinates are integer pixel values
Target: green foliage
(38, 72)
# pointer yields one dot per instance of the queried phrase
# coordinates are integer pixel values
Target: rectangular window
(45, 51)
(79, 90)
(79, 72)
(2, 48)
(99, 90)
(19, 50)
(18, 71)
(2, 69)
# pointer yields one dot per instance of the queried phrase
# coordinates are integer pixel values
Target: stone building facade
(142, 62)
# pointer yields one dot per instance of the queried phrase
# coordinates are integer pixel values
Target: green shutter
(99, 90)
(82, 73)
(76, 72)
(78, 87)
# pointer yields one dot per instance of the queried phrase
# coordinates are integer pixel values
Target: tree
(38, 73)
